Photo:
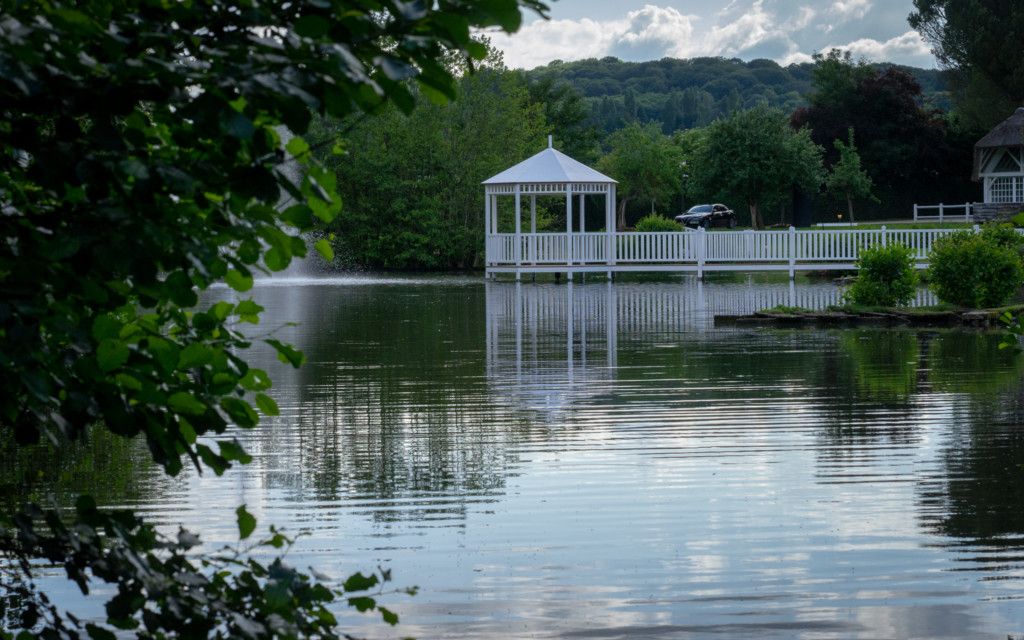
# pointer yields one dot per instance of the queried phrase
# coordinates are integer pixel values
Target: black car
(708, 215)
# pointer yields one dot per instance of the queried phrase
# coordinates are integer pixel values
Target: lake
(600, 461)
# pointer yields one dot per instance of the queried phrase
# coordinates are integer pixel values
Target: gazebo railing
(655, 247)
(840, 246)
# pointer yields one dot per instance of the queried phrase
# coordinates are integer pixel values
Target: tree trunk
(849, 207)
(621, 218)
(755, 215)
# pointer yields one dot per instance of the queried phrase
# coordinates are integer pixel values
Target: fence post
(702, 249)
(915, 213)
(942, 208)
(884, 239)
(792, 252)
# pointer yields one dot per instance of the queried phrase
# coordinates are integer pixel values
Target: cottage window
(1006, 189)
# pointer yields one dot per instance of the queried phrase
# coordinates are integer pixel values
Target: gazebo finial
(551, 144)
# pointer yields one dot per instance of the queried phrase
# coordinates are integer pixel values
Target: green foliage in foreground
(655, 222)
(142, 159)
(885, 277)
(979, 270)
(165, 587)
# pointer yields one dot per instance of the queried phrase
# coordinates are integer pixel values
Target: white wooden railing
(944, 212)
(792, 247)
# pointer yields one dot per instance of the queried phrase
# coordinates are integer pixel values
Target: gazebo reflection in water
(549, 343)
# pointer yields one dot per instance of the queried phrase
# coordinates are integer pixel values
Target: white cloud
(542, 41)
(803, 19)
(851, 9)
(653, 30)
(910, 44)
(744, 29)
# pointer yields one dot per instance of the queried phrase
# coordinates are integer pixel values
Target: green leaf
(359, 582)
(128, 382)
(299, 216)
(276, 259)
(255, 380)
(215, 462)
(238, 281)
(312, 27)
(178, 287)
(221, 310)
(297, 147)
(362, 604)
(267, 405)
(240, 411)
(99, 633)
(106, 326)
(196, 354)
(231, 450)
(164, 352)
(389, 616)
(323, 247)
(111, 354)
(287, 354)
(249, 311)
(184, 402)
(246, 522)
(432, 94)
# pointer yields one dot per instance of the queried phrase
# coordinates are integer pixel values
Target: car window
(701, 208)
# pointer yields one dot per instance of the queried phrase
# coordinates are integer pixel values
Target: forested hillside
(683, 94)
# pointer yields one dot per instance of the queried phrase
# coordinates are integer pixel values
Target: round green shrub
(885, 277)
(654, 222)
(976, 270)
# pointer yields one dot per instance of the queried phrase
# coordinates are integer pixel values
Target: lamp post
(682, 185)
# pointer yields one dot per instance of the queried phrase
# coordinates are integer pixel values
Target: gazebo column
(609, 226)
(494, 214)
(583, 228)
(568, 229)
(533, 230)
(487, 233)
(519, 232)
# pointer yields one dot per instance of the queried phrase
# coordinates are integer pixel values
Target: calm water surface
(599, 461)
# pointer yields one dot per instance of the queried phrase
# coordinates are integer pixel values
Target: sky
(786, 31)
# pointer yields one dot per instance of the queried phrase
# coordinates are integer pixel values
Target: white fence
(791, 247)
(944, 212)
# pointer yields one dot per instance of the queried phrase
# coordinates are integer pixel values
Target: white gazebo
(549, 173)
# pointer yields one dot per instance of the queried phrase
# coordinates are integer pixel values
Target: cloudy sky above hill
(783, 30)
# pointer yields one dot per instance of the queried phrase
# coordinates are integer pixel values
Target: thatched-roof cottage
(998, 161)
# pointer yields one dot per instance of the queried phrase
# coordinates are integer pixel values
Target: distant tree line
(684, 94)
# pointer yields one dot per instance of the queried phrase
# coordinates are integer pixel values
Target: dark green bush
(885, 277)
(1004, 235)
(654, 222)
(976, 270)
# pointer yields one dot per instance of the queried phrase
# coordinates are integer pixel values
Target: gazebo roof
(550, 165)
(1008, 133)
